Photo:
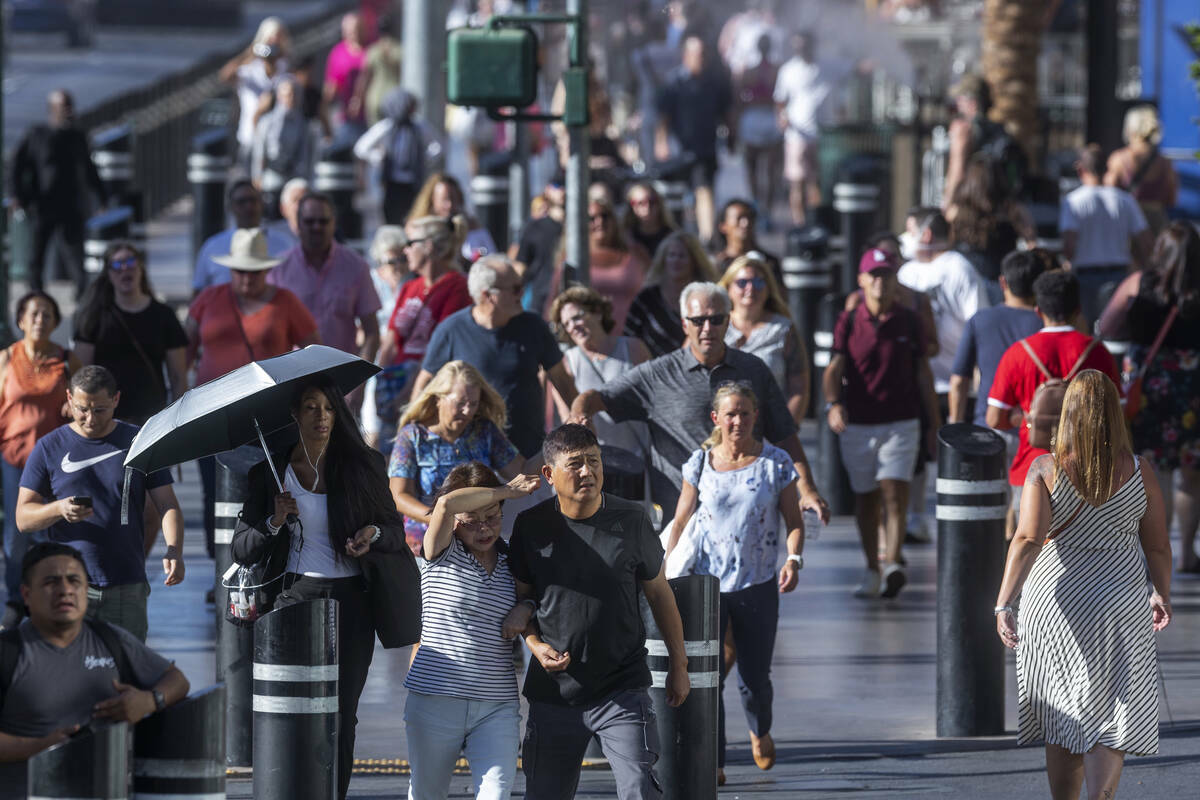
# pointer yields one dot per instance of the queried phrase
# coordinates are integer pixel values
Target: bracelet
(1002, 609)
(273, 528)
(375, 536)
(799, 559)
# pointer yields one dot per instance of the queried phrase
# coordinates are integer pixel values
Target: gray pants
(123, 605)
(557, 736)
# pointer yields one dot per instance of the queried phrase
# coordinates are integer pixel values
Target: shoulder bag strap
(1036, 360)
(1142, 171)
(237, 315)
(1079, 361)
(120, 316)
(1158, 340)
(113, 643)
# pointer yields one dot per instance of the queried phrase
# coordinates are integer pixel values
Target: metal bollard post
(334, 175)
(674, 197)
(180, 751)
(208, 171)
(102, 230)
(111, 153)
(972, 499)
(235, 643)
(91, 766)
(831, 474)
(807, 278)
(856, 199)
(687, 735)
(296, 702)
(489, 196)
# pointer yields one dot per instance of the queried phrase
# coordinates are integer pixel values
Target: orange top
(31, 403)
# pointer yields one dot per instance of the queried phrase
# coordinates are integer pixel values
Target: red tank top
(31, 403)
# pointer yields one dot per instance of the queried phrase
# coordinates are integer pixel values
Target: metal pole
(578, 173)
(518, 183)
(6, 335)
(972, 499)
(831, 475)
(94, 764)
(180, 751)
(424, 57)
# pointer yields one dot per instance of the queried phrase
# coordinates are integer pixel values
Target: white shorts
(799, 156)
(885, 452)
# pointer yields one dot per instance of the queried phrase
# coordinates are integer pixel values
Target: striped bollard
(489, 196)
(296, 702)
(208, 168)
(972, 500)
(179, 753)
(335, 175)
(831, 476)
(93, 765)
(857, 203)
(687, 735)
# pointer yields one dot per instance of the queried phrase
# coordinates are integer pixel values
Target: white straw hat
(248, 251)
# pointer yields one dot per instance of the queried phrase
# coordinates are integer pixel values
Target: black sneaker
(893, 581)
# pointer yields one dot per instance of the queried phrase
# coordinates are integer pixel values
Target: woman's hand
(360, 544)
(285, 504)
(789, 577)
(515, 622)
(523, 485)
(1161, 609)
(1006, 626)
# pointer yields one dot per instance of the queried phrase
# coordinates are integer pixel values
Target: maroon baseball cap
(875, 259)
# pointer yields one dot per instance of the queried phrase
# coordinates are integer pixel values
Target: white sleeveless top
(768, 342)
(311, 552)
(594, 373)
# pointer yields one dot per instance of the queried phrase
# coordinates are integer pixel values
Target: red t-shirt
(882, 357)
(1017, 378)
(420, 308)
(273, 330)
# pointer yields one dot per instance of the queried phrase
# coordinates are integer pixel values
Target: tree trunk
(1012, 36)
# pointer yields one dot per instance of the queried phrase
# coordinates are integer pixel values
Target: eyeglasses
(394, 261)
(746, 283)
(490, 521)
(715, 320)
(417, 240)
(122, 264)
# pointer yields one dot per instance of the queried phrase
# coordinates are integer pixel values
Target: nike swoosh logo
(74, 466)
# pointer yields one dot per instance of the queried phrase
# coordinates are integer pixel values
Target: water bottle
(812, 525)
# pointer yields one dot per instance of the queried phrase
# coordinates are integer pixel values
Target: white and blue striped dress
(1086, 662)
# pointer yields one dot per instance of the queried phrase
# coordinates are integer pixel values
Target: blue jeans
(15, 542)
(754, 615)
(1096, 287)
(440, 727)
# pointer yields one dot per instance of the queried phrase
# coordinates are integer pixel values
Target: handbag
(1133, 394)
(682, 559)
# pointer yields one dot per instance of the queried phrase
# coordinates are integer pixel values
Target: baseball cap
(875, 259)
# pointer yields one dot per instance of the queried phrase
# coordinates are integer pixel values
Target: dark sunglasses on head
(122, 264)
(712, 319)
(746, 283)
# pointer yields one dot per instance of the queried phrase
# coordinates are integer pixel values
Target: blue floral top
(737, 522)
(428, 458)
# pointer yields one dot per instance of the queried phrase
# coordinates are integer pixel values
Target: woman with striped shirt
(462, 687)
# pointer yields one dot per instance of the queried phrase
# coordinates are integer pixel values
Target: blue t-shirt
(66, 464)
(508, 358)
(985, 338)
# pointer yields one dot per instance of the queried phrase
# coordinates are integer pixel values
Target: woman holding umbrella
(335, 489)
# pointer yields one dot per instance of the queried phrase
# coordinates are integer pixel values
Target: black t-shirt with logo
(586, 576)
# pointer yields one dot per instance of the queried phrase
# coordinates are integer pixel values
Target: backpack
(10, 652)
(1046, 408)
(405, 161)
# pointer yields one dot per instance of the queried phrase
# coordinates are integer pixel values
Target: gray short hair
(482, 277)
(387, 237)
(706, 290)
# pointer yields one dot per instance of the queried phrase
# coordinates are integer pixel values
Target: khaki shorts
(884, 452)
(799, 157)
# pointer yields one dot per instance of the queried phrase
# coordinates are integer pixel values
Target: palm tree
(1012, 38)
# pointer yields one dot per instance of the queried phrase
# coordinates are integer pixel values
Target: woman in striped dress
(1091, 526)
(462, 687)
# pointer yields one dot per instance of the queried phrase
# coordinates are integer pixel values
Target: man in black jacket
(52, 171)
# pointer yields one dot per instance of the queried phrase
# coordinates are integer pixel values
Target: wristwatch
(799, 559)
(829, 405)
(159, 702)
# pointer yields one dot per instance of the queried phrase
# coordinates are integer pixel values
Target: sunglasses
(395, 261)
(122, 264)
(746, 283)
(716, 320)
(417, 240)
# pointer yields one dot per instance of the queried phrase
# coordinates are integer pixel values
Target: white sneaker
(893, 580)
(917, 530)
(870, 584)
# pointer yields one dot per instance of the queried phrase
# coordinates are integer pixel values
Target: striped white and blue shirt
(462, 608)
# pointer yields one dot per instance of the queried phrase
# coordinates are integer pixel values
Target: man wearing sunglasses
(673, 393)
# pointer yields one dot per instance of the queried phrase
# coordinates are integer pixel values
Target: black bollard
(807, 278)
(180, 751)
(972, 499)
(687, 735)
(113, 158)
(296, 702)
(103, 229)
(334, 175)
(831, 474)
(674, 197)
(624, 472)
(208, 171)
(856, 199)
(94, 764)
(235, 642)
(489, 196)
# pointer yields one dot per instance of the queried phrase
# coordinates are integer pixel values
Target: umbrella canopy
(222, 414)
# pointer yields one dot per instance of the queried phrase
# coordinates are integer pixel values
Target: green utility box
(491, 67)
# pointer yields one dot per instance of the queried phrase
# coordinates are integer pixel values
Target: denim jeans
(440, 727)
(15, 542)
(754, 615)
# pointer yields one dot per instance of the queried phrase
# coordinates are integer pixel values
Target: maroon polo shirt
(879, 383)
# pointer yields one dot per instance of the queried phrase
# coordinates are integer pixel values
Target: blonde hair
(727, 389)
(702, 266)
(423, 205)
(1141, 124)
(775, 302)
(446, 233)
(1092, 435)
(271, 27)
(423, 410)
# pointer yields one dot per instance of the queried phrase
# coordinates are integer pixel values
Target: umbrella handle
(262, 440)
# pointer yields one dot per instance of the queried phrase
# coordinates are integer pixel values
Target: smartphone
(81, 500)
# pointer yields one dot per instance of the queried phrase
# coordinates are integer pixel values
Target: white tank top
(312, 554)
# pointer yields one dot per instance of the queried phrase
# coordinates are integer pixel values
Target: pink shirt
(342, 69)
(337, 294)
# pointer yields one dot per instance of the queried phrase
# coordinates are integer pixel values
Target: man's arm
(960, 398)
(20, 748)
(831, 388)
(563, 382)
(1070, 240)
(929, 400)
(370, 329)
(587, 405)
(423, 379)
(666, 617)
(167, 504)
(35, 514)
(132, 704)
(809, 496)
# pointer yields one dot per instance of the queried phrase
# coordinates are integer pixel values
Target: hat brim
(247, 263)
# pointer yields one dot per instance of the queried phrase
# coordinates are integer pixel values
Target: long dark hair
(99, 296)
(1176, 271)
(356, 487)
